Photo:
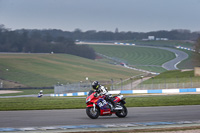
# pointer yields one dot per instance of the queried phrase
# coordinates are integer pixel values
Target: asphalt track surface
(172, 64)
(41, 118)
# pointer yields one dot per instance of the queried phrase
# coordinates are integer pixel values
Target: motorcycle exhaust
(118, 108)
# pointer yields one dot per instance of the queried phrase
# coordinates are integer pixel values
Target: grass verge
(48, 103)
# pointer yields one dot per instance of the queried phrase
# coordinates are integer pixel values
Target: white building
(151, 37)
(163, 39)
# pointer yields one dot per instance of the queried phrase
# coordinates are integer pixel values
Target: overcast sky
(126, 15)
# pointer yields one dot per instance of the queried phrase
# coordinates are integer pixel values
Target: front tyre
(123, 113)
(93, 114)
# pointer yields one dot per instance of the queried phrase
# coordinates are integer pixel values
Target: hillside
(48, 69)
(163, 43)
(145, 58)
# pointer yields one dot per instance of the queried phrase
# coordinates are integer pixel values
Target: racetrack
(169, 65)
(41, 118)
(172, 64)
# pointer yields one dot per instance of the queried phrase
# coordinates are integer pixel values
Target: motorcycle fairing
(117, 99)
(102, 103)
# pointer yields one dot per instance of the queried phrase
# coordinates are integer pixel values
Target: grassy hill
(191, 62)
(48, 69)
(168, 43)
(138, 57)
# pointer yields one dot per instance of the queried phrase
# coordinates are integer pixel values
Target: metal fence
(154, 86)
(75, 87)
(171, 83)
(134, 83)
(112, 84)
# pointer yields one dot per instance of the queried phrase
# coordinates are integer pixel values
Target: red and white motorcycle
(98, 106)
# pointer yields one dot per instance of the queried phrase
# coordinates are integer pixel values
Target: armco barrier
(166, 91)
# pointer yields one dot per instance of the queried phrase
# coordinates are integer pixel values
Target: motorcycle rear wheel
(123, 113)
(93, 114)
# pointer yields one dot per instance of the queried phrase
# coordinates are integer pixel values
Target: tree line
(58, 41)
(93, 35)
(38, 42)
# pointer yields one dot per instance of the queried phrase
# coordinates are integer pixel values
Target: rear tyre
(93, 114)
(123, 113)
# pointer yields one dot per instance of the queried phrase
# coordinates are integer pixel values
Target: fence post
(191, 81)
(152, 83)
(1, 84)
(111, 85)
(80, 85)
(121, 83)
(177, 81)
(141, 85)
(131, 82)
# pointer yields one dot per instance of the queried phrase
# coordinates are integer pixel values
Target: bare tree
(196, 55)
(197, 45)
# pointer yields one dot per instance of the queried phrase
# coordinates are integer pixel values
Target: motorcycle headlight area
(88, 100)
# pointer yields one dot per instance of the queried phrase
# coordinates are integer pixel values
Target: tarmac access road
(41, 118)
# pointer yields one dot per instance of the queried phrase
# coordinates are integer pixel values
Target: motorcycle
(98, 106)
(40, 94)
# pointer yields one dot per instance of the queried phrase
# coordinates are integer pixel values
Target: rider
(40, 94)
(101, 90)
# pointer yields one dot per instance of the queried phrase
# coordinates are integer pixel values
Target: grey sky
(126, 15)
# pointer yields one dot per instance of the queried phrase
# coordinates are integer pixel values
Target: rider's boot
(111, 107)
(114, 105)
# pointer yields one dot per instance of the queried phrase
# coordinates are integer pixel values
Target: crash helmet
(95, 85)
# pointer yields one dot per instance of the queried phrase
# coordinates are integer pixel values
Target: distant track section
(170, 65)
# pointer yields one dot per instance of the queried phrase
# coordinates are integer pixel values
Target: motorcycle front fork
(94, 107)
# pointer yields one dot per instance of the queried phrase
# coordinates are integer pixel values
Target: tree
(2, 28)
(197, 45)
(196, 55)
(116, 30)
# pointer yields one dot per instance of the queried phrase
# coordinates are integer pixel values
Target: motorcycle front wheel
(93, 114)
(123, 113)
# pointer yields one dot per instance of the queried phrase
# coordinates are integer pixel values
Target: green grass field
(191, 61)
(186, 64)
(138, 57)
(175, 76)
(48, 103)
(40, 70)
